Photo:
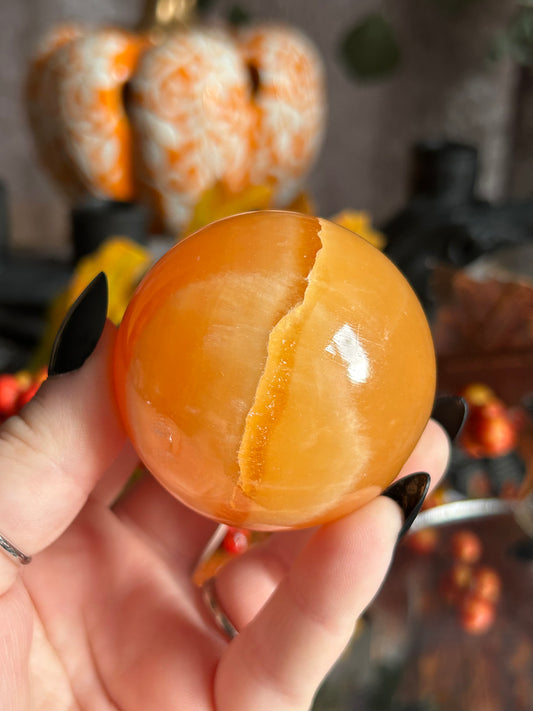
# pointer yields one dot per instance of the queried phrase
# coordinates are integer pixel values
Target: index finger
(54, 452)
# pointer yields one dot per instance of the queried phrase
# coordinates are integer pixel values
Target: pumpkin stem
(160, 16)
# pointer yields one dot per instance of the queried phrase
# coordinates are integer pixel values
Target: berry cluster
(491, 429)
(471, 587)
(467, 584)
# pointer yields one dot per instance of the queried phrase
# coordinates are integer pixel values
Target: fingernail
(450, 412)
(409, 493)
(81, 330)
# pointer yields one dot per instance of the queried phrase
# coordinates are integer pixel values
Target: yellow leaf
(302, 203)
(124, 263)
(359, 221)
(218, 202)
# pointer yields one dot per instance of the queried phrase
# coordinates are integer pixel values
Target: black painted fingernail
(81, 330)
(450, 412)
(409, 493)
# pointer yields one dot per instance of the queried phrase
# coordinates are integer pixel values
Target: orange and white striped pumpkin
(117, 115)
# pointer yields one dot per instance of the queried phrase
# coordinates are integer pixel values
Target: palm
(118, 624)
(122, 622)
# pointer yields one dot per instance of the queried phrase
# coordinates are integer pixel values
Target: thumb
(53, 453)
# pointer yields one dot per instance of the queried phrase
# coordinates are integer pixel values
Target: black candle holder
(95, 220)
(444, 222)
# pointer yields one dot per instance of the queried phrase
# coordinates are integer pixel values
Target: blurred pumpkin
(165, 113)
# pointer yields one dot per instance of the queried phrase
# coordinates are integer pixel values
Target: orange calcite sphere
(274, 370)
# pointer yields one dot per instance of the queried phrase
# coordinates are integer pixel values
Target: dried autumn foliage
(483, 331)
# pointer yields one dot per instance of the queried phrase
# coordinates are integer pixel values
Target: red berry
(26, 395)
(498, 436)
(493, 410)
(456, 582)
(9, 392)
(491, 429)
(424, 541)
(466, 546)
(486, 583)
(236, 541)
(476, 614)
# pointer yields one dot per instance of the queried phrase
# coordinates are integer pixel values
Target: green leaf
(519, 36)
(369, 50)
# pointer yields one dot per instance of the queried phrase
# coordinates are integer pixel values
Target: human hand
(106, 615)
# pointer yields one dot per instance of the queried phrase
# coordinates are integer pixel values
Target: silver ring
(14, 552)
(220, 617)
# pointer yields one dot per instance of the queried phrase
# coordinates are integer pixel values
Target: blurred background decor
(164, 114)
(446, 84)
